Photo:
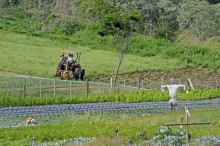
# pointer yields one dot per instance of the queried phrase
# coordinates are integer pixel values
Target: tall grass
(187, 38)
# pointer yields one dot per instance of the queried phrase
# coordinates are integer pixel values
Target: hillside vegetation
(34, 33)
(39, 57)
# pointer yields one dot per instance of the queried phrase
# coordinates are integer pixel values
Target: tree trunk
(117, 70)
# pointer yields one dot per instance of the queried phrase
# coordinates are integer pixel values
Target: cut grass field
(103, 127)
(27, 55)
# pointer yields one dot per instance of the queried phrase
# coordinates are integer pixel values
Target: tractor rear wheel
(82, 75)
(76, 73)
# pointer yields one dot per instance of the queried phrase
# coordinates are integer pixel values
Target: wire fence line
(22, 86)
(29, 86)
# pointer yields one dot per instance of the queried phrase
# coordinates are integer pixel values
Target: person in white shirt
(70, 61)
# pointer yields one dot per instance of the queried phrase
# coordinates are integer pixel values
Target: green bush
(169, 137)
(163, 31)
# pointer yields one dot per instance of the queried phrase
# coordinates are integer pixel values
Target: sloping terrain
(34, 56)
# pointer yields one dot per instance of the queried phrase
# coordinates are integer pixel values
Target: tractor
(68, 68)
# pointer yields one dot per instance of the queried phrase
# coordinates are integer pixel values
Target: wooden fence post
(54, 87)
(70, 88)
(8, 90)
(187, 124)
(190, 83)
(40, 87)
(100, 90)
(111, 84)
(138, 83)
(142, 84)
(87, 87)
(124, 85)
(21, 88)
(25, 88)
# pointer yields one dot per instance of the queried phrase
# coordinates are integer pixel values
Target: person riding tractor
(68, 67)
(70, 62)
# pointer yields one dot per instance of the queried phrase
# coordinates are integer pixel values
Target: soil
(196, 75)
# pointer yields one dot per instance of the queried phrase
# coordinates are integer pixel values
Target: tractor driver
(70, 62)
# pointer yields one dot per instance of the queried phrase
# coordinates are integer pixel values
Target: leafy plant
(167, 136)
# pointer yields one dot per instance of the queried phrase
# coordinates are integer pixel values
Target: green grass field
(27, 55)
(102, 127)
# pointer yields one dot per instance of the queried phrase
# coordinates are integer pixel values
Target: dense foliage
(141, 96)
(63, 19)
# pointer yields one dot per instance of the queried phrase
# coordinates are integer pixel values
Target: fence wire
(25, 86)
(28, 86)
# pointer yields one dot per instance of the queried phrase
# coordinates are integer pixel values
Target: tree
(95, 10)
(213, 1)
(200, 17)
(149, 12)
(5, 4)
(153, 14)
(121, 25)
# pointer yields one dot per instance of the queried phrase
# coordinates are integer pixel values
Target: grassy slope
(157, 54)
(39, 57)
(104, 126)
(187, 38)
